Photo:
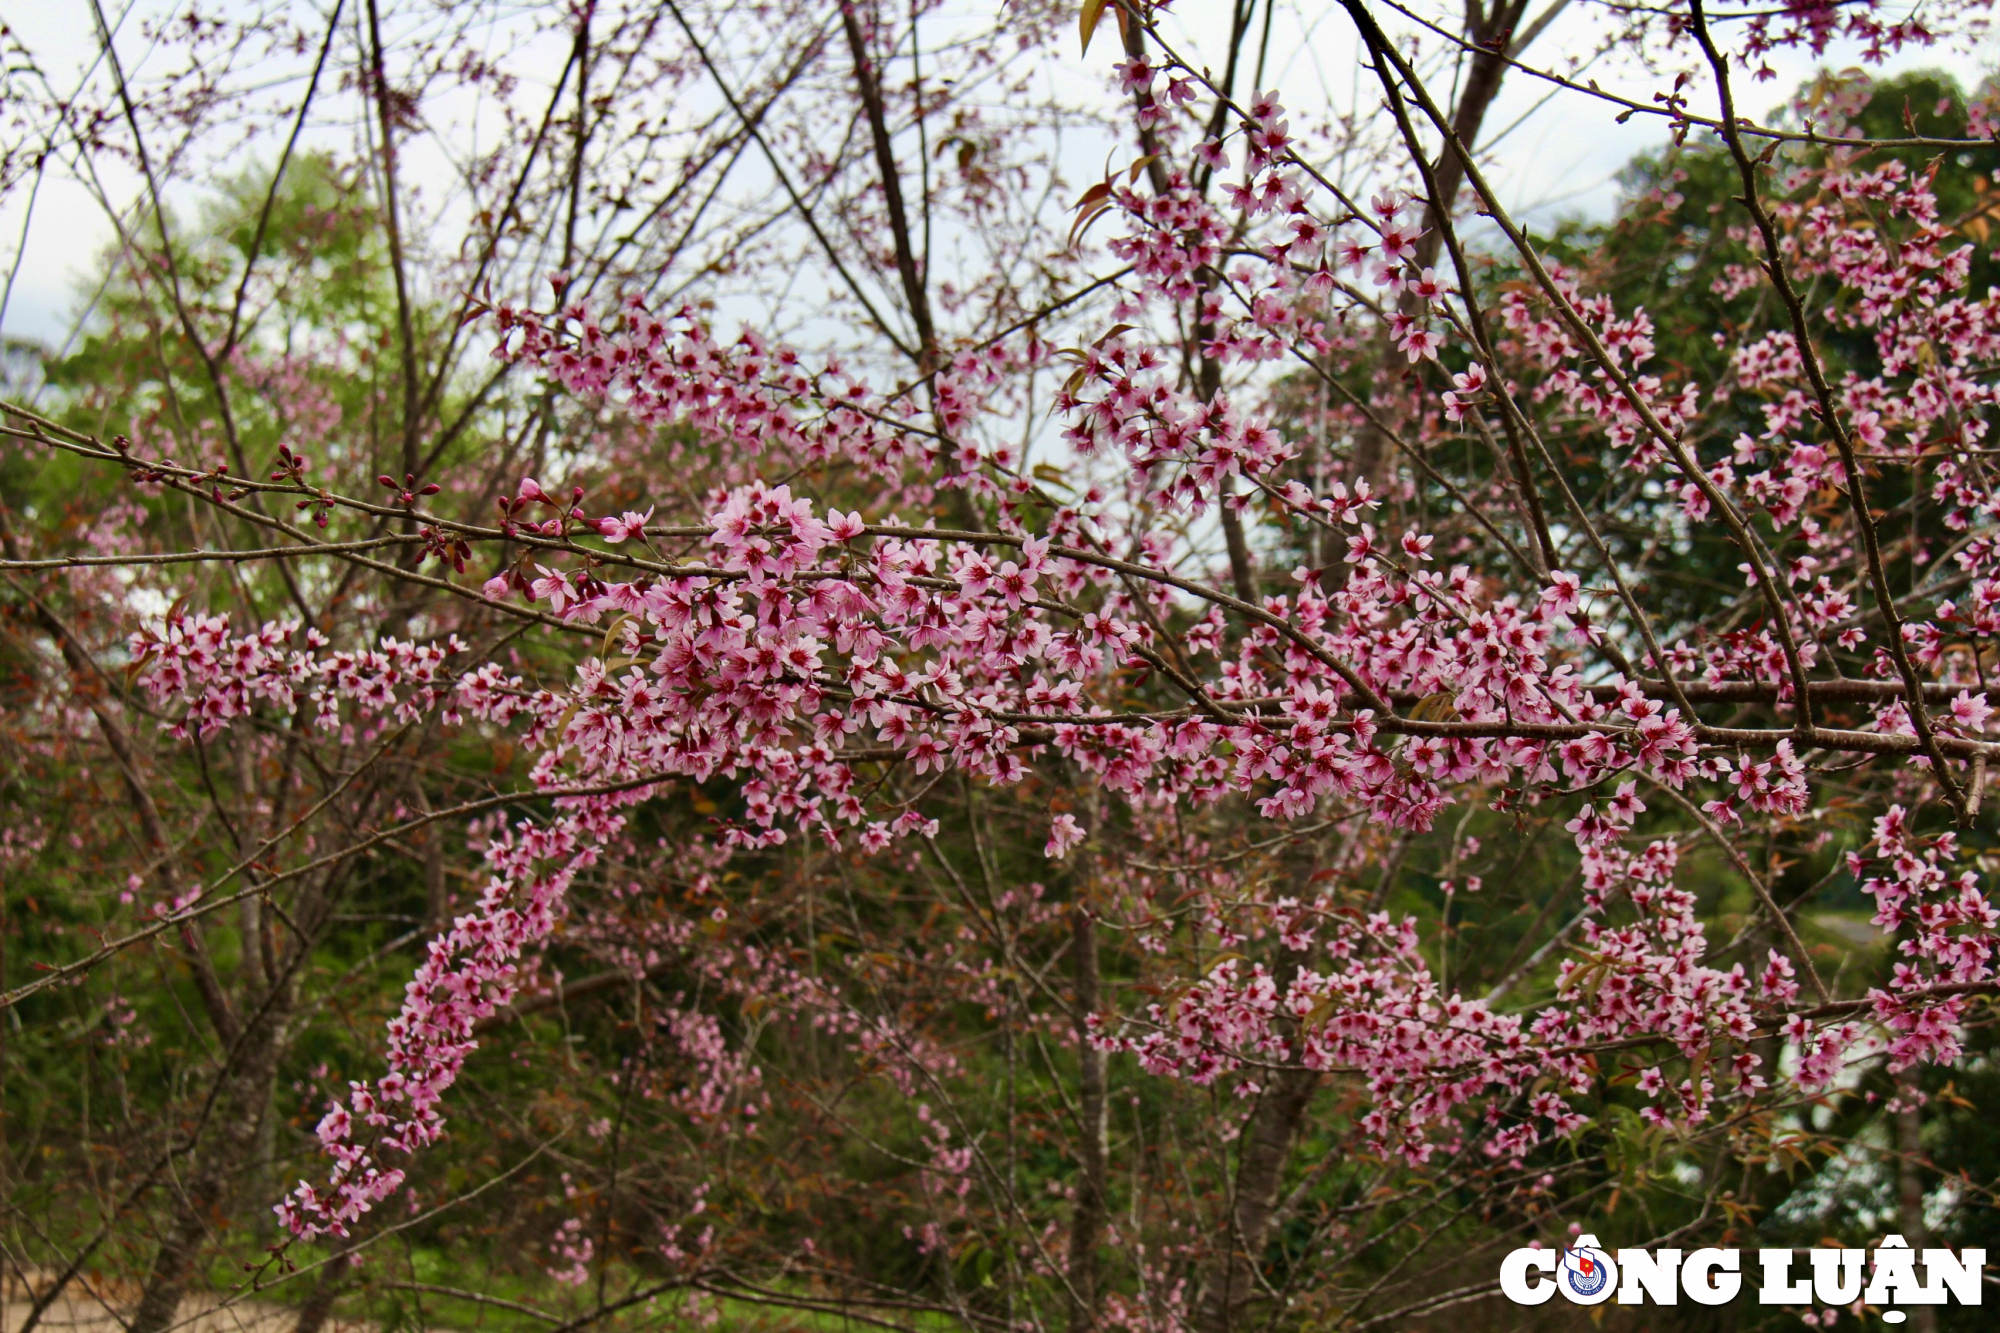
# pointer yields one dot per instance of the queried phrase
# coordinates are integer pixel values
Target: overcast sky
(1558, 155)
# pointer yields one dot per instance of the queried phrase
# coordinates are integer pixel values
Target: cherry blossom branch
(1379, 43)
(1830, 418)
(1678, 115)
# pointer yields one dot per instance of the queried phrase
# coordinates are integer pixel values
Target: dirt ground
(100, 1307)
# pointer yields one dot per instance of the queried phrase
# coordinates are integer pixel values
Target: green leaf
(1086, 23)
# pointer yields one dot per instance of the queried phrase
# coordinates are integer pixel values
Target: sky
(1554, 156)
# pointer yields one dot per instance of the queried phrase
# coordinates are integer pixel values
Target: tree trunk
(1482, 84)
(1910, 1184)
(1495, 36)
(242, 1105)
(319, 1306)
(1087, 1221)
(1231, 1281)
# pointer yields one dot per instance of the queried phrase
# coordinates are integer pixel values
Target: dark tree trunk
(1087, 1222)
(319, 1306)
(1495, 36)
(1232, 1282)
(227, 1148)
(1910, 1184)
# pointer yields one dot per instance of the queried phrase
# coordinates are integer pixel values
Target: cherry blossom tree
(689, 628)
